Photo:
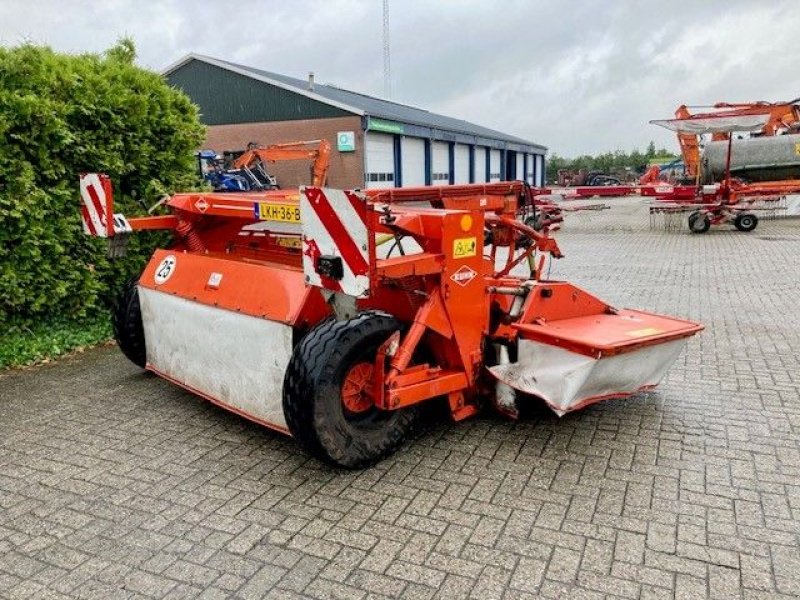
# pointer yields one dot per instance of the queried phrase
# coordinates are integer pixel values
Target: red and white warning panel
(95, 195)
(336, 241)
(97, 203)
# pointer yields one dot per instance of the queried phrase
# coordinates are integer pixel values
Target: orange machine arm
(782, 115)
(690, 145)
(317, 150)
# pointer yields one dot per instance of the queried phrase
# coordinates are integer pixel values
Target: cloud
(578, 77)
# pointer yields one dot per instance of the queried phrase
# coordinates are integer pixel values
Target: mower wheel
(327, 393)
(127, 321)
(699, 223)
(745, 222)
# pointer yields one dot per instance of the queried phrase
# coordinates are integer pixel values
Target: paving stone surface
(116, 484)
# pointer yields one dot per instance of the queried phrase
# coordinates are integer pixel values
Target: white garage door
(520, 172)
(494, 165)
(440, 163)
(539, 181)
(412, 160)
(380, 160)
(461, 163)
(530, 158)
(480, 165)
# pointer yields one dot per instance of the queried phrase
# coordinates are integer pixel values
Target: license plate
(283, 213)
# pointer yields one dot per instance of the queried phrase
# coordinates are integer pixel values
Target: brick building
(376, 143)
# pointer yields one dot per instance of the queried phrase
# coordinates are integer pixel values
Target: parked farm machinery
(249, 172)
(731, 200)
(281, 307)
(767, 155)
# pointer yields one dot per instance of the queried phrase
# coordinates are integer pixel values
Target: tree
(61, 115)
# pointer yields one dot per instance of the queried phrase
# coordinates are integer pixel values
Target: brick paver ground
(116, 484)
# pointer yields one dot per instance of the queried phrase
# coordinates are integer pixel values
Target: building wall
(346, 168)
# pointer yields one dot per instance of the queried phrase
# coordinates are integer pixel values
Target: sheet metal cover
(568, 381)
(233, 359)
(714, 124)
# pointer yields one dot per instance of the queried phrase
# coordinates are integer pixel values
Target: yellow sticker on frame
(647, 331)
(465, 247)
(289, 242)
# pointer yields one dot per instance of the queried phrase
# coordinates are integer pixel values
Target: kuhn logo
(464, 275)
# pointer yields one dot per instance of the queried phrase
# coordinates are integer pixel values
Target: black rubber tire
(312, 401)
(699, 223)
(745, 222)
(127, 321)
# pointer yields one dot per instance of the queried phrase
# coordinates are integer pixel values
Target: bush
(61, 115)
(53, 337)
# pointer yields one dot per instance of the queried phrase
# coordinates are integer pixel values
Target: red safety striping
(350, 251)
(87, 220)
(330, 284)
(358, 206)
(98, 207)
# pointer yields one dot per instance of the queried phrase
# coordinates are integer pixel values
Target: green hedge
(61, 115)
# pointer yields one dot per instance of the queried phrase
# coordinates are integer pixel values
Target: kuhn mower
(281, 307)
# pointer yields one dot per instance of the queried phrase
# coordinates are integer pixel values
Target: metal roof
(360, 104)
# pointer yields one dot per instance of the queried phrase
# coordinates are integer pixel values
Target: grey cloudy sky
(578, 77)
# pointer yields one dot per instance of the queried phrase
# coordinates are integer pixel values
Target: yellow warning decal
(289, 242)
(797, 149)
(644, 332)
(465, 247)
(283, 213)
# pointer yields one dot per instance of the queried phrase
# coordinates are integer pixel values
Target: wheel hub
(357, 388)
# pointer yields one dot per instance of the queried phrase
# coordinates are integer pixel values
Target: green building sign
(387, 126)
